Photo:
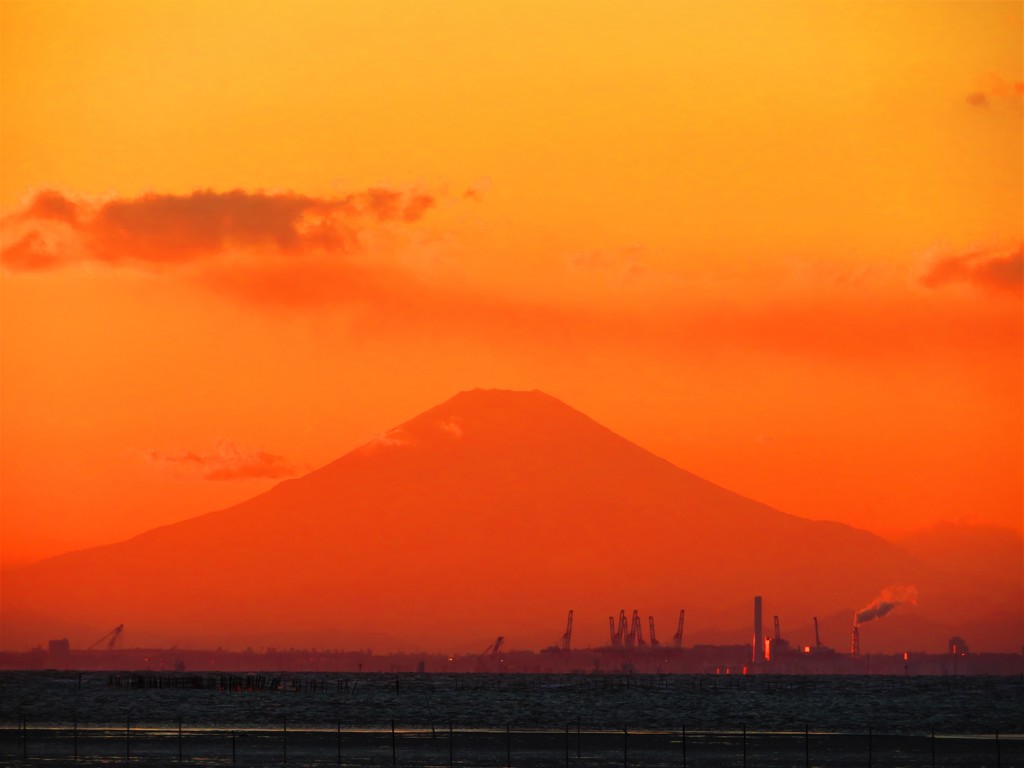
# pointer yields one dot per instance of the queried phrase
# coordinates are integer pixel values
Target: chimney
(758, 654)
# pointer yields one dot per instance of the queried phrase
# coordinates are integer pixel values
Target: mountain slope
(492, 513)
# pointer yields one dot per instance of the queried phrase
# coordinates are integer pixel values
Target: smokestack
(758, 654)
(855, 642)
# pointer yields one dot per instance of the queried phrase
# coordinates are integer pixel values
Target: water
(523, 720)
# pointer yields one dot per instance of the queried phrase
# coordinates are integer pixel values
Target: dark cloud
(999, 272)
(165, 229)
(997, 89)
(977, 99)
(30, 253)
(228, 462)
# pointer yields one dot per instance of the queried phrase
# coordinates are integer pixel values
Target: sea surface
(98, 718)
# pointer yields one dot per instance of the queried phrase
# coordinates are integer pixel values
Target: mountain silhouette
(492, 513)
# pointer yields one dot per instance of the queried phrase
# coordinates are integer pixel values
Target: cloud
(53, 230)
(992, 271)
(996, 89)
(451, 427)
(228, 462)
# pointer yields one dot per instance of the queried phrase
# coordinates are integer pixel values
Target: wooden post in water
(566, 745)
(339, 742)
(394, 751)
(684, 746)
(508, 745)
(128, 738)
(24, 737)
(284, 740)
(451, 744)
(232, 747)
(579, 747)
(807, 747)
(744, 745)
(74, 738)
(869, 747)
(625, 746)
(179, 738)
(933, 748)
(999, 759)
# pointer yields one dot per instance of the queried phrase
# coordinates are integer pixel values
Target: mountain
(492, 513)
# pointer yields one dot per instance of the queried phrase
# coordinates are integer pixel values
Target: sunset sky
(777, 243)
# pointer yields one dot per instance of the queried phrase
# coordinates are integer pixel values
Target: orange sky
(778, 244)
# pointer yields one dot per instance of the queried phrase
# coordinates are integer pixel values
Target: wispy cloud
(996, 89)
(227, 462)
(53, 230)
(990, 270)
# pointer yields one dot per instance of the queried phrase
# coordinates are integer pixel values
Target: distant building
(60, 647)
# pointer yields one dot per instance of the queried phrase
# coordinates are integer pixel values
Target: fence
(181, 743)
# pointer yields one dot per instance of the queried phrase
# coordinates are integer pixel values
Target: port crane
(650, 626)
(494, 648)
(635, 638)
(112, 637)
(677, 638)
(567, 637)
(778, 634)
(817, 637)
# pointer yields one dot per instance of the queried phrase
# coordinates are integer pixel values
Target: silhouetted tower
(758, 654)
(778, 634)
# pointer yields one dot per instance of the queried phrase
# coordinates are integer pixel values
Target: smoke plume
(890, 598)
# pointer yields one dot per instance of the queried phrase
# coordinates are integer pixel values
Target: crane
(817, 637)
(778, 634)
(615, 639)
(567, 637)
(623, 631)
(636, 632)
(113, 636)
(654, 638)
(677, 638)
(494, 648)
